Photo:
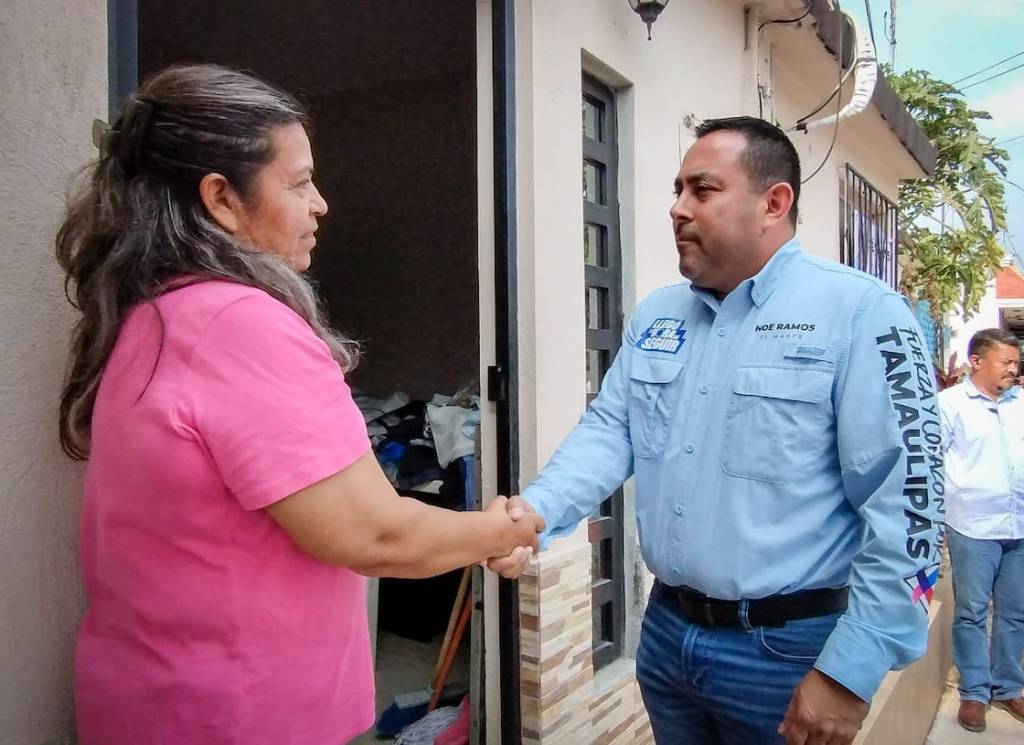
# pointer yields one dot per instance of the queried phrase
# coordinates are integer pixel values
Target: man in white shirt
(983, 438)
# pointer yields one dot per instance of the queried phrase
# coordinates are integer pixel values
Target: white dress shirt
(984, 446)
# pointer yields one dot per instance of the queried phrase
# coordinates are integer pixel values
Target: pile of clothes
(426, 447)
(427, 450)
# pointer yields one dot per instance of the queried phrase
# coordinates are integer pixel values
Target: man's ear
(778, 202)
(222, 203)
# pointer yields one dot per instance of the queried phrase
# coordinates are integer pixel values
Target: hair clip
(101, 136)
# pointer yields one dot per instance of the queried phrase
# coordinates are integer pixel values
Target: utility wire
(1012, 139)
(831, 147)
(986, 69)
(890, 33)
(1011, 183)
(835, 92)
(760, 28)
(839, 108)
(992, 77)
(871, 26)
(786, 20)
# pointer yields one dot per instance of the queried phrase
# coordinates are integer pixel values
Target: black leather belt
(775, 610)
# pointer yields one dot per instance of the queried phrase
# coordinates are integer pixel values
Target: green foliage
(950, 262)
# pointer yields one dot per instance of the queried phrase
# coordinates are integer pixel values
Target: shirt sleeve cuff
(540, 500)
(856, 659)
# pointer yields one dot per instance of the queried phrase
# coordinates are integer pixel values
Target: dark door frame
(122, 52)
(506, 377)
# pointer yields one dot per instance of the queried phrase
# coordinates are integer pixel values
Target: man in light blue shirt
(983, 439)
(780, 417)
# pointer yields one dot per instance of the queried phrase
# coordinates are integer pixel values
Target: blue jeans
(705, 686)
(983, 570)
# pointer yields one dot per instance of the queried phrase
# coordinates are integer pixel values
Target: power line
(786, 20)
(986, 69)
(992, 77)
(890, 34)
(839, 108)
(871, 26)
(1011, 183)
(1012, 139)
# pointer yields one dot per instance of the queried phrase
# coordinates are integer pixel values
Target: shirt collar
(762, 284)
(973, 392)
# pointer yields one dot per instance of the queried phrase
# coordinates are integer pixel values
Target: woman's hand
(522, 530)
(514, 564)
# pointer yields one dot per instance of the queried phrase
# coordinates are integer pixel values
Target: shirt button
(704, 389)
(679, 509)
(675, 570)
(690, 448)
(722, 332)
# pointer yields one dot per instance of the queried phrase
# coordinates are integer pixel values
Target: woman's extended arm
(355, 519)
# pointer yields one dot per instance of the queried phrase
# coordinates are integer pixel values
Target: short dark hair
(769, 157)
(987, 339)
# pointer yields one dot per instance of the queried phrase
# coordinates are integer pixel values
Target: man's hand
(513, 565)
(822, 712)
(518, 532)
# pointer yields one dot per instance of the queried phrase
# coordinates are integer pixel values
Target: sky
(952, 39)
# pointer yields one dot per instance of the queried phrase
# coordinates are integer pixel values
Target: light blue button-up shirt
(984, 445)
(784, 438)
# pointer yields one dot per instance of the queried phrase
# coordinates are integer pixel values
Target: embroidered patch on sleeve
(664, 335)
(922, 585)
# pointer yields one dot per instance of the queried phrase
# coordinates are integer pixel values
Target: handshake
(518, 527)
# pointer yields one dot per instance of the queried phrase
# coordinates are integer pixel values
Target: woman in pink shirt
(232, 500)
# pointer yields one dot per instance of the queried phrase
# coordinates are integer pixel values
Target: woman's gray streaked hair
(137, 227)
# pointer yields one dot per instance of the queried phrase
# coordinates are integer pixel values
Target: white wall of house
(802, 74)
(701, 63)
(658, 85)
(54, 84)
(696, 67)
(961, 330)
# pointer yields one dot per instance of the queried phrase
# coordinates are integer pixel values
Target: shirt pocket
(779, 423)
(650, 409)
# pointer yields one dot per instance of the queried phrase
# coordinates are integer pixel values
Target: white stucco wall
(803, 73)
(52, 86)
(658, 83)
(961, 330)
(697, 64)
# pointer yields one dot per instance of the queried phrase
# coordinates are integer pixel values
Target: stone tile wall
(563, 702)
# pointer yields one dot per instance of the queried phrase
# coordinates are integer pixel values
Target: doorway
(391, 90)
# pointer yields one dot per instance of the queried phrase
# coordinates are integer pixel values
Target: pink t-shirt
(206, 624)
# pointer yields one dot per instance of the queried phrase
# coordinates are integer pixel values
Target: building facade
(543, 137)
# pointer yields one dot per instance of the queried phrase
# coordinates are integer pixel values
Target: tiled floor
(404, 665)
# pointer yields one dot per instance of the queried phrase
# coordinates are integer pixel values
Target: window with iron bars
(602, 296)
(869, 231)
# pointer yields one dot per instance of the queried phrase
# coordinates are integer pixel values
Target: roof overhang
(829, 24)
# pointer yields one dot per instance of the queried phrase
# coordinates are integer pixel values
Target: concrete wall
(657, 84)
(905, 705)
(696, 67)
(961, 330)
(656, 88)
(53, 85)
(802, 74)
(701, 63)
